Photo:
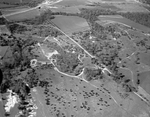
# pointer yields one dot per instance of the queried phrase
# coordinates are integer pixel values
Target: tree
(141, 18)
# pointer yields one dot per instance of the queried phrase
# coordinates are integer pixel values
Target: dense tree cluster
(1, 77)
(67, 62)
(141, 18)
(3, 21)
(16, 28)
(34, 3)
(92, 74)
(16, 59)
(145, 1)
(44, 31)
(91, 14)
(19, 47)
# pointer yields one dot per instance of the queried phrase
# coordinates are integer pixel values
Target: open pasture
(23, 15)
(145, 58)
(71, 9)
(4, 6)
(71, 24)
(100, 6)
(109, 6)
(72, 2)
(126, 22)
(15, 1)
(3, 50)
(9, 11)
(131, 7)
(144, 78)
(11, 1)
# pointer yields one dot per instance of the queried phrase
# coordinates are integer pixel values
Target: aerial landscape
(74, 58)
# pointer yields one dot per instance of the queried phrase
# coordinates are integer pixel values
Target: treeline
(3, 21)
(92, 14)
(145, 1)
(14, 28)
(88, 14)
(141, 18)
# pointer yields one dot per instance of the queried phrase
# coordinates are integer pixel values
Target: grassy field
(11, 1)
(24, 15)
(131, 7)
(71, 9)
(3, 50)
(4, 6)
(72, 2)
(15, 1)
(70, 24)
(9, 11)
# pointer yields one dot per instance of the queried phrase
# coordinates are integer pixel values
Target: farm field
(15, 1)
(5, 6)
(72, 2)
(71, 24)
(131, 7)
(10, 1)
(22, 16)
(72, 9)
(9, 11)
(127, 22)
